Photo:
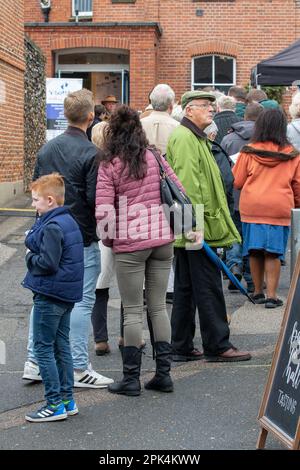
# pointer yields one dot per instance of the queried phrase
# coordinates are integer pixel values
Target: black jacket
(224, 121)
(89, 129)
(223, 163)
(73, 156)
(232, 143)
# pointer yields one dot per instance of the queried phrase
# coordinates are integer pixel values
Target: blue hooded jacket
(55, 261)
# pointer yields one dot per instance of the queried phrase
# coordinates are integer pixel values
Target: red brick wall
(104, 10)
(139, 41)
(11, 91)
(248, 30)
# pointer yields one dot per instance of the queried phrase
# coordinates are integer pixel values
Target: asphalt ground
(214, 406)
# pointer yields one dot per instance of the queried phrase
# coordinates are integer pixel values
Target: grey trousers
(152, 266)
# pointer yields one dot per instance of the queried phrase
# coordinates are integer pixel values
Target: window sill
(80, 18)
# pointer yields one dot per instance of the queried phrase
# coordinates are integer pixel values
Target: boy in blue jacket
(55, 276)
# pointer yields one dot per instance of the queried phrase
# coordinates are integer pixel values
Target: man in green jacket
(197, 280)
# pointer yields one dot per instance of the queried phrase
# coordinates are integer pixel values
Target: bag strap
(162, 170)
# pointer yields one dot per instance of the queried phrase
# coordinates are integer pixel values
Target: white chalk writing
(286, 402)
(292, 370)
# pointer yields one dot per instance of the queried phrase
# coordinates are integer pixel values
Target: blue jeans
(235, 254)
(81, 314)
(30, 351)
(51, 328)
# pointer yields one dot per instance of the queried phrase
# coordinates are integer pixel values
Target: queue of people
(108, 189)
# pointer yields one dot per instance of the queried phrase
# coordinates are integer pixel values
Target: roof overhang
(89, 24)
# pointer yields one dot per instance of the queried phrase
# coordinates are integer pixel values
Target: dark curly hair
(126, 139)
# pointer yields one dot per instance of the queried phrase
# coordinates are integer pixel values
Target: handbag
(177, 205)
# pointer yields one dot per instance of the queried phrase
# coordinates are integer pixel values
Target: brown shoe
(102, 348)
(231, 355)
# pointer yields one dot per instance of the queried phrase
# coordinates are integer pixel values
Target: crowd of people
(95, 189)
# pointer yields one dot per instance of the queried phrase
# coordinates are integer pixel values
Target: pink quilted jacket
(128, 213)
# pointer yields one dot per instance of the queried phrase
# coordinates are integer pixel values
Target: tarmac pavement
(214, 406)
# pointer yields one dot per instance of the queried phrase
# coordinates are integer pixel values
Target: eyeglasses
(204, 105)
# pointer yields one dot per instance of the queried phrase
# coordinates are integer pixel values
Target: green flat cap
(196, 95)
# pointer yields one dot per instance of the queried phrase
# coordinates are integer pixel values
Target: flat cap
(196, 95)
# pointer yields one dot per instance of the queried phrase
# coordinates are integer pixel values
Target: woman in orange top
(268, 174)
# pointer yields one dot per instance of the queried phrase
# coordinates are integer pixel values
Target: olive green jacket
(189, 154)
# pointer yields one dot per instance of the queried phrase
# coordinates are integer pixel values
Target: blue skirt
(270, 238)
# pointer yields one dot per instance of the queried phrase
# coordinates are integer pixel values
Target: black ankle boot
(130, 385)
(162, 380)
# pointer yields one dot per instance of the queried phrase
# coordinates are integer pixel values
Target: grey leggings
(153, 266)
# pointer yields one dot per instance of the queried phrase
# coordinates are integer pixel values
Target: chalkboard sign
(280, 409)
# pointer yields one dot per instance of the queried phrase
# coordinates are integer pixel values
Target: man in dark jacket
(225, 116)
(73, 156)
(224, 165)
(232, 143)
(241, 132)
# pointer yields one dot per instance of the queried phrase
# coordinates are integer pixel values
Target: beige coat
(158, 126)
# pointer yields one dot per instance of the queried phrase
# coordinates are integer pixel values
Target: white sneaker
(31, 371)
(89, 378)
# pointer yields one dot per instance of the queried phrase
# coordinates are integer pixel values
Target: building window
(84, 7)
(218, 71)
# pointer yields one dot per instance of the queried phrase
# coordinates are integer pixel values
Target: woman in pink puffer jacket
(131, 221)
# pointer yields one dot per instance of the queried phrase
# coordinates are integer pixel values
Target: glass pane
(223, 69)
(93, 58)
(83, 5)
(203, 69)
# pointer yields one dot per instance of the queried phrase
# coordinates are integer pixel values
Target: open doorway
(104, 72)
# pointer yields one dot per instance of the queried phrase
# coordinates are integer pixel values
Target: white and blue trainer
(48, 413)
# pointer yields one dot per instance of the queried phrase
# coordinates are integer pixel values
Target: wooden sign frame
(265, 422)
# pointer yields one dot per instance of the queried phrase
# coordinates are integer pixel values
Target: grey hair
(177, 113)
(161, 97)
(226, 102)
(294, 108)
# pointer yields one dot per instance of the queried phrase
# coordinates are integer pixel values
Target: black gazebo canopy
(281, 69)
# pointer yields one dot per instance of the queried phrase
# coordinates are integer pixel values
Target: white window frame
(80, 13)
(214, 84)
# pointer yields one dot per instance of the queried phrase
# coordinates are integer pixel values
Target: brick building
(12, 67)
(124, 47)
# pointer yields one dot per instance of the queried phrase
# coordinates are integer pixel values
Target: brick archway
(213, 46)
(89, 42)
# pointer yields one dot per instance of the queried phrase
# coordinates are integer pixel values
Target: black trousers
(198, 284)
(99, 316)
